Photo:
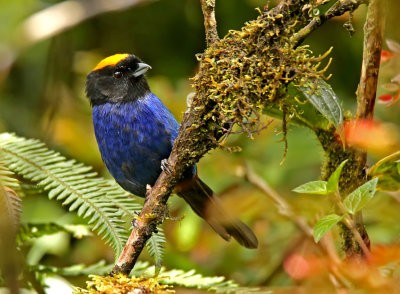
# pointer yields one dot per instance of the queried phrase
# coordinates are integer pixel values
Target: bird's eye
(117, 74)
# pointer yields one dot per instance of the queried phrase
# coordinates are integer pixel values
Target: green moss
(248, 69)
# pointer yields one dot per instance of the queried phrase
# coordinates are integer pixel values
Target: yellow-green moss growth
(121, 284)
(247, 69)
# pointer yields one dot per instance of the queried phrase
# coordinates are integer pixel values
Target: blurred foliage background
(42, 96)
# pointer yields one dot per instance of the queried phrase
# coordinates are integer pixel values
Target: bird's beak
(142, 68)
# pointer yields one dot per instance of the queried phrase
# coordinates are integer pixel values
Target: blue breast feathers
(133, 138)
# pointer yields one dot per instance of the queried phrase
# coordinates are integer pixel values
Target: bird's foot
(135, 225)
(165, 166)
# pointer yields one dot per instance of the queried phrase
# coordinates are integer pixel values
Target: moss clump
(247, 69)
(121, 284)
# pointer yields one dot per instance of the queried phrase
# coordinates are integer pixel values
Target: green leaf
(72, 184)
(302, 112)
(387, 170)
(30, 231)
(325, 101)
(7, 178)
(325, 224)
(333, 181)
(314, 187)
(357, 199)
(155, 246)
(10, 211)
(99, 268)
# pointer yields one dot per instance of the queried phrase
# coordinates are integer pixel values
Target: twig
(339, 8)
(353, 227)
(366, 92)
(373, 31)
(210, 23)
(54, 20)
(283, 207)
(57, 18)
(286, 210)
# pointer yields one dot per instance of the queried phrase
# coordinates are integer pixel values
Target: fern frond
(99, 268)
(10, 211)
(29, 231)
(7, 179)
(155, 246)
(121, 199)
(191, 279)
(93, 198)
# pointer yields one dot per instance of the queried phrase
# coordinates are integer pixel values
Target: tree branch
(366, 95)
(373, 31)
(339, 8)
(210, 23)
(62, 16)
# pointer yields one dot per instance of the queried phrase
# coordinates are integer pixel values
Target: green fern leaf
(191, 279)
(7, 178)
(10, 212)
(99, 268)
(155, 246)
(73, 184)
(30, 231)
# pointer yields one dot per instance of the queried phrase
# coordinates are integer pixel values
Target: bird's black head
(117, 78)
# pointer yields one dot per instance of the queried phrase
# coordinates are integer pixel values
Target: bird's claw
(134, 224)
(165, 166)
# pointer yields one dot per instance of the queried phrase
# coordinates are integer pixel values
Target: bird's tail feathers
(207, 205)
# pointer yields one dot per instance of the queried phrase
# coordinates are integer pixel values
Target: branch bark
(62, 16)
(210, 23)
(366, 94)
(373, 35)
(339, 8)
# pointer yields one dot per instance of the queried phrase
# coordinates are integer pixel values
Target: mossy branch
(238, 76)
(354, 173)
(339, 8)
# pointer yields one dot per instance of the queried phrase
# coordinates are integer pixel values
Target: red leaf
(385, 55)
(370, 135)
(296, 266)
(387, 98)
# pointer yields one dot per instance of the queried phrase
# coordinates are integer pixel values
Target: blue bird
(135, 132)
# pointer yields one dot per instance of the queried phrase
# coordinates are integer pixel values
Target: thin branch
(57, 18)
(285, 209)
(283, 206)
(210, 23)
(54, 20)
(339, 8)
(366, 94)
(373, 31)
